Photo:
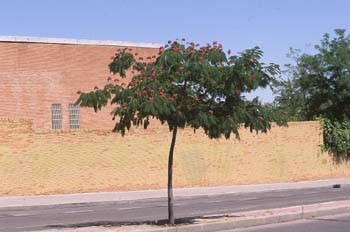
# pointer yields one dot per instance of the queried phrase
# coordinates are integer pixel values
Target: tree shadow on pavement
(163, 222)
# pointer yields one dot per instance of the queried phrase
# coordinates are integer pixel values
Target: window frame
(74, 116)
(56, 116)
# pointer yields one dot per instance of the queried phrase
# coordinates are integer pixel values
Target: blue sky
(274, 25)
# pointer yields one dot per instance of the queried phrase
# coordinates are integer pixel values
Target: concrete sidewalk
(21, 201)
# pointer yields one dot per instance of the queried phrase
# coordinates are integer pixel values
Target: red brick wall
(35, 75)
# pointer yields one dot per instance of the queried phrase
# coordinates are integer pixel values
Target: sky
(273, 25)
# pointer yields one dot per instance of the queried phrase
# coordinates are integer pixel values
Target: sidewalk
(21, 201)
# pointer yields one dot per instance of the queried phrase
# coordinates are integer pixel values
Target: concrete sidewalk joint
(23, 201)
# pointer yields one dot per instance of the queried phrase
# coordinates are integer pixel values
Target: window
(74, 121)
(56, 110)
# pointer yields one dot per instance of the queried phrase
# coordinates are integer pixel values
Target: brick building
(40, 77)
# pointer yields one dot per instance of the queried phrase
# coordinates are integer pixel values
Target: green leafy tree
(187, 86)
(324, 78)
(320, 88)
(290, 101)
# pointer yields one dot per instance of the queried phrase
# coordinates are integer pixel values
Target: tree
(320, 88)
(290, 100)
(187, 86)
(324, 78)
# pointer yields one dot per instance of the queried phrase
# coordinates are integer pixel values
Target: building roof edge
(28, 39)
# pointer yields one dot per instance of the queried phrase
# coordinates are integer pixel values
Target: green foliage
(290, 101)
(324, 78)
(188, 86)
(336, 137)
(277, 114)
(320, 87)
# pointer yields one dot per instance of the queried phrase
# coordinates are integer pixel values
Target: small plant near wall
(336, 139)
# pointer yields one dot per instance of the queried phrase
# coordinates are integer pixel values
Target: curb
(258, 218)
(78, 198)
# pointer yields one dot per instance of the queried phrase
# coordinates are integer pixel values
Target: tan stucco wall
(88, 161)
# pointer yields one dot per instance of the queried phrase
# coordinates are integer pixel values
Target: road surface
(116, 213)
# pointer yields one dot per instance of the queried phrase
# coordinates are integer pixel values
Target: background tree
(290, 99)
(187, 86)
(320, 87)
(324, 78)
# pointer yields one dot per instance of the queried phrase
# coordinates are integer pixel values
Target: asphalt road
(117, 213)
(337, 223)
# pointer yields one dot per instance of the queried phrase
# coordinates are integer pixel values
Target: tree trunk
(170, 180)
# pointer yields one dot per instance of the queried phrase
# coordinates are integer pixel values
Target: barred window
(56, 110)
(74, 116)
